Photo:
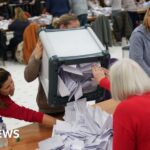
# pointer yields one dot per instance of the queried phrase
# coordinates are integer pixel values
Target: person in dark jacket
(34, 6)
(57, 7)
(4, 11)
(18, 26)
(80, 8)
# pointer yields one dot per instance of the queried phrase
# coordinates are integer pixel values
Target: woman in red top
(131, 120)
(8, 108)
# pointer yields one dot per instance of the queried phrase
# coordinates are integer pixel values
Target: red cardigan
(131, 122)
(19, 112)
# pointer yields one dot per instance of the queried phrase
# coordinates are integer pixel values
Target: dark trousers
(13, 45)
(135, 19)
(83, 19)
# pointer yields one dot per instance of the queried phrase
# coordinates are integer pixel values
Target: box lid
(70, 42)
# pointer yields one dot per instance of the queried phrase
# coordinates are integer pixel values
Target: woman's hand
(48, 121)
(38, 51)
(106, 71)
(98, 73)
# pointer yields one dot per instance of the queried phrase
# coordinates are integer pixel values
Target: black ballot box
(69, 47)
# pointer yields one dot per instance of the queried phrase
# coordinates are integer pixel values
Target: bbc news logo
(9, 133)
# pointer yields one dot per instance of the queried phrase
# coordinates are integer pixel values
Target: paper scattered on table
(84, 128)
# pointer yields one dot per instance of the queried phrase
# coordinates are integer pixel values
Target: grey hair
(127, 78)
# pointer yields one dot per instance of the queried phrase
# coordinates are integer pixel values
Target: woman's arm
(32, 70)
(105, 83)
(48, 120)
(101, 77)
(13, 110)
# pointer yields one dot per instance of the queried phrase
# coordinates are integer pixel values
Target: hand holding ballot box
(66, 64)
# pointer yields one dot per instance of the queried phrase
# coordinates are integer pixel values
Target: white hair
(127, 78)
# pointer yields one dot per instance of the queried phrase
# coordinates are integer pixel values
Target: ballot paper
(72, 69)
(51, 143)
(86, 67)
(84, 128)
(62, 89)
(76, 80)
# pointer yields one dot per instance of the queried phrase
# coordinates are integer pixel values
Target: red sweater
(131, 122)
(19, 112)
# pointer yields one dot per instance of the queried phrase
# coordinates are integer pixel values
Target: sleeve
(123, 131)
(105, 83)
(20, 112)
(137, 50)
(32, 70)
(12, 26)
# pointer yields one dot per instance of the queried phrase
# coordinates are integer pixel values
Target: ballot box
(69, 47)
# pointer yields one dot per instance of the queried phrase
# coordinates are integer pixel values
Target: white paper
(81, 130)
(62, 89)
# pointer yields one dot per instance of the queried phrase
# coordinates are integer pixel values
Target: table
(91, 18)
(4, 24)
(141, 10)
(30, 135)
(109, 105)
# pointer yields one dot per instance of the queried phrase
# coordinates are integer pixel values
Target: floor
(25, 93)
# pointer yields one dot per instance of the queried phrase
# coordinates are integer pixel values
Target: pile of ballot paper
(84, 128)
(76, 80)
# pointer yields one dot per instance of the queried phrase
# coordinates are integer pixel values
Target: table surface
(30, 135)
(141, 10)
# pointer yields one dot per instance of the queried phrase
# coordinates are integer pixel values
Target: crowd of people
(20, 11)
(127, 79)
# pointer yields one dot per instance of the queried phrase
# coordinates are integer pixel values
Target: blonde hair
(19, 14)
(145, 21)
(64, 19)
(127, 78)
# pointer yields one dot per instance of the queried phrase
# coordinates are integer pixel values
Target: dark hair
(3, 78)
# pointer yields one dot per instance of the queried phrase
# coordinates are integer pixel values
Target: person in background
(14, 1)
(8, 108)
(128, 5)
(94, 4)
(80, 8)
(33, 67)
(130, 85)
(4, 10)
(57, 7)
(131, 7)
(115, 4)
(140, 44)
(30, 38)
(35, 9)
(18, 26)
